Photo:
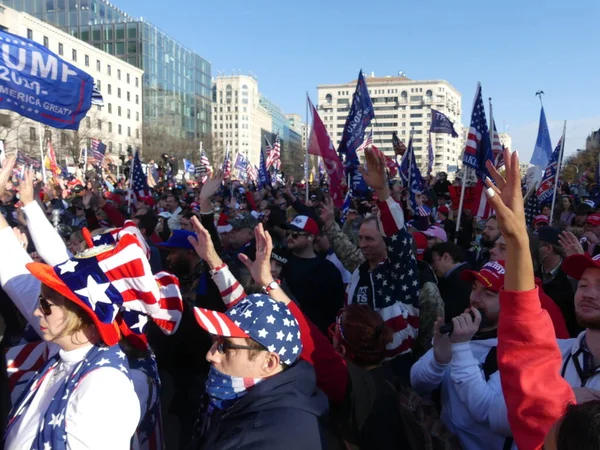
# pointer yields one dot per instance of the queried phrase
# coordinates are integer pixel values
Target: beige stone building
(401, 105)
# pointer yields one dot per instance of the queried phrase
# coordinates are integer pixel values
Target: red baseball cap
(491, 275)
(541, 218)
(421, 241)
(575, 265)
(444, 210)
(593, 219)
(302, 223)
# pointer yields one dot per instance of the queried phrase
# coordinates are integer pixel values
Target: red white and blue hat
(102, 280)
(302, 223)
(261, 319)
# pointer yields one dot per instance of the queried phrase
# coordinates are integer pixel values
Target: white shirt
(102, 413)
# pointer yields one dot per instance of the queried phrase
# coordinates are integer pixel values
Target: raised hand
(203, 245)
(260, 268)
(26, 191)
(374, 174)
(570, 243)
(212, 185)
(442, 347)
(6, 172)
(506, 197)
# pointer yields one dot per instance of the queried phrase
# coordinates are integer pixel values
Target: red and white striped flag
(367, 143)
(497, 148)
(274, 154)
(205, 164)
(226, 165)
(251, 172)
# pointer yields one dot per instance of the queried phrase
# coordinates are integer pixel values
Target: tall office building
(238, 117)
(118, 123)
(403, 106)
(243, 118)
(176, 81)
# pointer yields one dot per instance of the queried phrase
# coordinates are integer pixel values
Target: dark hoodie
(282, 412)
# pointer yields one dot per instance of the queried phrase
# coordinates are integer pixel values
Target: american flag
(22, 363)
(497, 148)
(96, 153)
(546, 187)
(274, 154)
(478, 147)
(206, 168)
(532, 209)
(251, 172)
(227, 165)
(139, 179)
(368, 142)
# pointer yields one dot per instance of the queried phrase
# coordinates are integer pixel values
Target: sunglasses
(45, 306)
(223, 346)
(295, 234)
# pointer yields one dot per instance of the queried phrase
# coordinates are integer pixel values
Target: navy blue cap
(178, 239)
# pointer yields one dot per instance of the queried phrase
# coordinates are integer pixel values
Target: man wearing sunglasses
(315, 282)
(257, 385)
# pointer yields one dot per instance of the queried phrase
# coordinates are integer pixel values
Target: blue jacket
(285, 411)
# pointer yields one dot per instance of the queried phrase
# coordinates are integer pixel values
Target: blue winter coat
(286, 411)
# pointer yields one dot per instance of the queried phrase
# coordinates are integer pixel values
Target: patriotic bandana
(225, 390)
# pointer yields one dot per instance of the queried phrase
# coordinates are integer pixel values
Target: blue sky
(513, 47)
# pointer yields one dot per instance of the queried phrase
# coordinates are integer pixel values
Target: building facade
(118, 123)
(297, 124)
(176, 82)
(238, 117)
(403, 106)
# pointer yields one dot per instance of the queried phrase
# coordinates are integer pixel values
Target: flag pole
(306, 155)
(42, 152)
(462, 199)
(558, 164)
(130, 181)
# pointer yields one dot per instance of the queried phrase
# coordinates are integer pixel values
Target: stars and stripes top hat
(102, 280)
(133, 323)
(261, 319)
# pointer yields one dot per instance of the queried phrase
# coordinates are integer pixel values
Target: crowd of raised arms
(224, 316)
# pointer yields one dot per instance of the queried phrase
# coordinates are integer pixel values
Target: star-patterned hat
(260, 318)
(102, 280)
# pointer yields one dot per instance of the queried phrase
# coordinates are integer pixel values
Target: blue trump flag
(360, 116)
(441, 124)
(188, 166)
(36, 83)
(404, 166)
(264, 178)
(543, 148)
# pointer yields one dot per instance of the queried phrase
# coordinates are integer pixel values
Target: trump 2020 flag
(441, 124)
(36, 83)
(188, 166)
(360, 116)
(543, 148)
(264, 178)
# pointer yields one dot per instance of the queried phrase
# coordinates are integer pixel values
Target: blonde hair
(76, 319)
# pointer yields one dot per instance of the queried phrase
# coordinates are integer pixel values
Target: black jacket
(284, 412)
(455, 292)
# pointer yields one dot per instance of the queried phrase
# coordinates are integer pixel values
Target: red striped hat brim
(218, 323)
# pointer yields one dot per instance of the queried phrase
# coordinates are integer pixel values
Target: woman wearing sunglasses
(361, 391)
(79, 393)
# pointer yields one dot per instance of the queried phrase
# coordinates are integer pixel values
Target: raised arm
(529, 359)
(48, 243)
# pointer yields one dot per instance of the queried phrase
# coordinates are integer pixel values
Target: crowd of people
(220, 315)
